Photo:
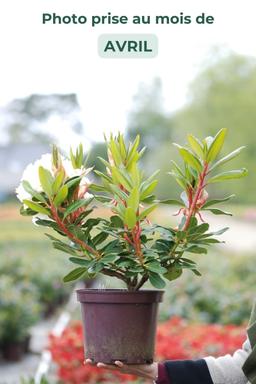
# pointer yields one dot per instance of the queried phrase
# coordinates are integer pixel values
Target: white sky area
(37, 58)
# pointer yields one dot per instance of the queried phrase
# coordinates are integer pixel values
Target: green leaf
(133, 151)
(99, 238)
(95, 267)
(171, 202)
(148, 189)
(116, 222)
(72, 158)
(177, 169)
(196, 272)
(103, 176)
(82, 216)
(80, 155)
(121, 194)
(180, 235)
(217, 211)
(188, 260)
(119, 178)
(123, 262)
(141, 153)
(64, 248)
(147, 211)
(103, 199)
(156, 280)
(208, 241)
(46, 180)
(107, 164)
(53, 238)
(120, 210)
(189, 158)
(196, 146)
(50, 224)
(109, 258)
(202, 228)
(220, 232)
(75, 274)
(26, 185)
(135, 174)
(217, 201)
(181, 180)
(98, 188)
(76, 205)
(173, 273)
(216, 145)
(115, 152)
(58, 181)
(61, 196)
(227, 158)
(150, 199)
(196, 249)
(134, 199)
(80, 261)
(36, 207)
(122, 146)
(229, 175)
(182, 222)
(152, 177)
(73, 182)
(26, 211)
(130, 217)
(156, 267)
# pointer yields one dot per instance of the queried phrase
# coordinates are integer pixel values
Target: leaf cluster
(126, 245)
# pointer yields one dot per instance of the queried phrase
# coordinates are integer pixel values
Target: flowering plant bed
(176, 339)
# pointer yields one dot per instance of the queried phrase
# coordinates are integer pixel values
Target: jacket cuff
(162, 377)
(188, 371)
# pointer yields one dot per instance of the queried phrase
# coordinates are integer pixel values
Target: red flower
(176, 339)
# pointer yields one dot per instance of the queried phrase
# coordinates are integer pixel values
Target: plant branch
(141, 282)
(192, 208)
(112, 273)
(70, 235)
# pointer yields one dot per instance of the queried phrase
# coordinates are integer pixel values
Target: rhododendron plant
(126, 245)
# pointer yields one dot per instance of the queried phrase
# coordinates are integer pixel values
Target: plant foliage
(127, 245)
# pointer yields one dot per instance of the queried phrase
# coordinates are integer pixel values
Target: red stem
(192, 208)
(70, 235)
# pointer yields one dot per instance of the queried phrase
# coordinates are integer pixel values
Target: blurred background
(55, 89)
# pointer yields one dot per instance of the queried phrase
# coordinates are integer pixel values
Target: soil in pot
(119, 325)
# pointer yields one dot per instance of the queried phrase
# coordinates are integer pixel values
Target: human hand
(147, 371)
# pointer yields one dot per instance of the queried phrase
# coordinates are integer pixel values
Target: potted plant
(18, 312)
(120, 324)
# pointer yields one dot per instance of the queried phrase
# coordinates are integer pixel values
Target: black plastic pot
(13, 351)
(119, 325)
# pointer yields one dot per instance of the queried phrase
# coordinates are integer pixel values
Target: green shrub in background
(18, 247)
(223, 296)
(18, 310)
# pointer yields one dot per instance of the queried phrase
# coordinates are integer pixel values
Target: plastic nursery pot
(13, 351)
(119, 325)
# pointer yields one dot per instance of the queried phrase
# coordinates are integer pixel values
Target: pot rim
(119, 296)
(117, 290)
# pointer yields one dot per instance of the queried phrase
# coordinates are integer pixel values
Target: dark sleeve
(186, 371)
